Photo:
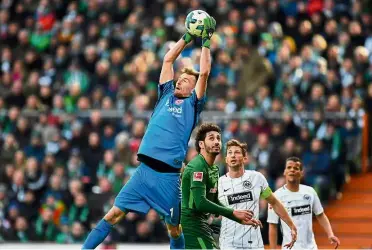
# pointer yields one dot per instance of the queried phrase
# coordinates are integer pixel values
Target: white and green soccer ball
(195, 22)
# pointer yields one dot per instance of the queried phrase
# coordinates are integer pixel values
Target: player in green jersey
(199, 192)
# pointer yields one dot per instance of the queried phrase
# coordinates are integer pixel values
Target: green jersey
(199, 200)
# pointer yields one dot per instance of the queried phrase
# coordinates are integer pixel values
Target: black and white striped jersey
(241, 193)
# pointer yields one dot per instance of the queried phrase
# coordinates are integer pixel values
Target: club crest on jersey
(307, 197)
(198, 176)
(247, 184)
(213, 190)
(178, 102)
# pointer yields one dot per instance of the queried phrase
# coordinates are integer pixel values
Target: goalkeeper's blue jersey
(169, 129)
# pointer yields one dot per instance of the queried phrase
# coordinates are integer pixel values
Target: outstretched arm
(167, 73)
(202, 204)
(205, 58)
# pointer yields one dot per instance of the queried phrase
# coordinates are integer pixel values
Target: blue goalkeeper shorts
(147, 189)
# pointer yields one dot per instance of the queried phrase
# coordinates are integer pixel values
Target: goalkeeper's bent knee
(115, 215)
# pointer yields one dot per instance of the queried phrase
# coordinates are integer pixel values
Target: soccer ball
(195, 22)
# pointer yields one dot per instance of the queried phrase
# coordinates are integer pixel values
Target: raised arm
(205, 69)
(167, 73)
(205, 58)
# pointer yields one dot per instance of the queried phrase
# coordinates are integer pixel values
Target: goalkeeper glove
(187, 37)
(209, 29)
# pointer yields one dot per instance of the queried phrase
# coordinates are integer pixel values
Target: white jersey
(300, 206)
(242, 193)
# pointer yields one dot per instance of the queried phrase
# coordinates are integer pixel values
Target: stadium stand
(78, 81)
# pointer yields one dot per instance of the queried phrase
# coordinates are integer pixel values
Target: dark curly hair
(241, 145)
(202, 132)
(294, 159)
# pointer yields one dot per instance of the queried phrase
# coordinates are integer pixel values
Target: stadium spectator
(22, 231)
(317, 167)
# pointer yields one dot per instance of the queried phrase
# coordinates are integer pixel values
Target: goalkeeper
(156, 182)
(199, 192)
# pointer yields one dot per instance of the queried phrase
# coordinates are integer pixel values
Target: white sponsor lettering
(176, 111)
(302, 209)
(240, 197)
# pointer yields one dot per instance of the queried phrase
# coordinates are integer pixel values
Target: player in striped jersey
(301, 202)
(242, 189)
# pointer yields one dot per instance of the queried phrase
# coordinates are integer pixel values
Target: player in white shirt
(242, 189)
(301, 202)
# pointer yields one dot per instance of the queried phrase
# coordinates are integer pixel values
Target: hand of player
(253, 222)
(334, 240)
(243, 215)
(187, 37)
(209, 28)
(294, 237)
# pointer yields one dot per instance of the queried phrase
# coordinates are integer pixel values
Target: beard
(212, 151)
(178, 94)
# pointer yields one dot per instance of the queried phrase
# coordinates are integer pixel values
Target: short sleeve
(264, 185)
(198, 102)
(272, 217)
(317, 205)
(198, 178)
(165, 88)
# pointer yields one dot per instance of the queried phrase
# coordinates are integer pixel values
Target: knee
(114, 215)
(174, 231)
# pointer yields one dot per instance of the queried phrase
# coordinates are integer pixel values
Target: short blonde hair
(190, 71)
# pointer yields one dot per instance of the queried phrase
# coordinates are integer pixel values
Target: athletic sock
(98, 234)
(177, 243)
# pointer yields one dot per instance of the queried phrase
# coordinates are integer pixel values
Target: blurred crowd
(60, 170)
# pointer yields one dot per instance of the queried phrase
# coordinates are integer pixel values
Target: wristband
(206, 42)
